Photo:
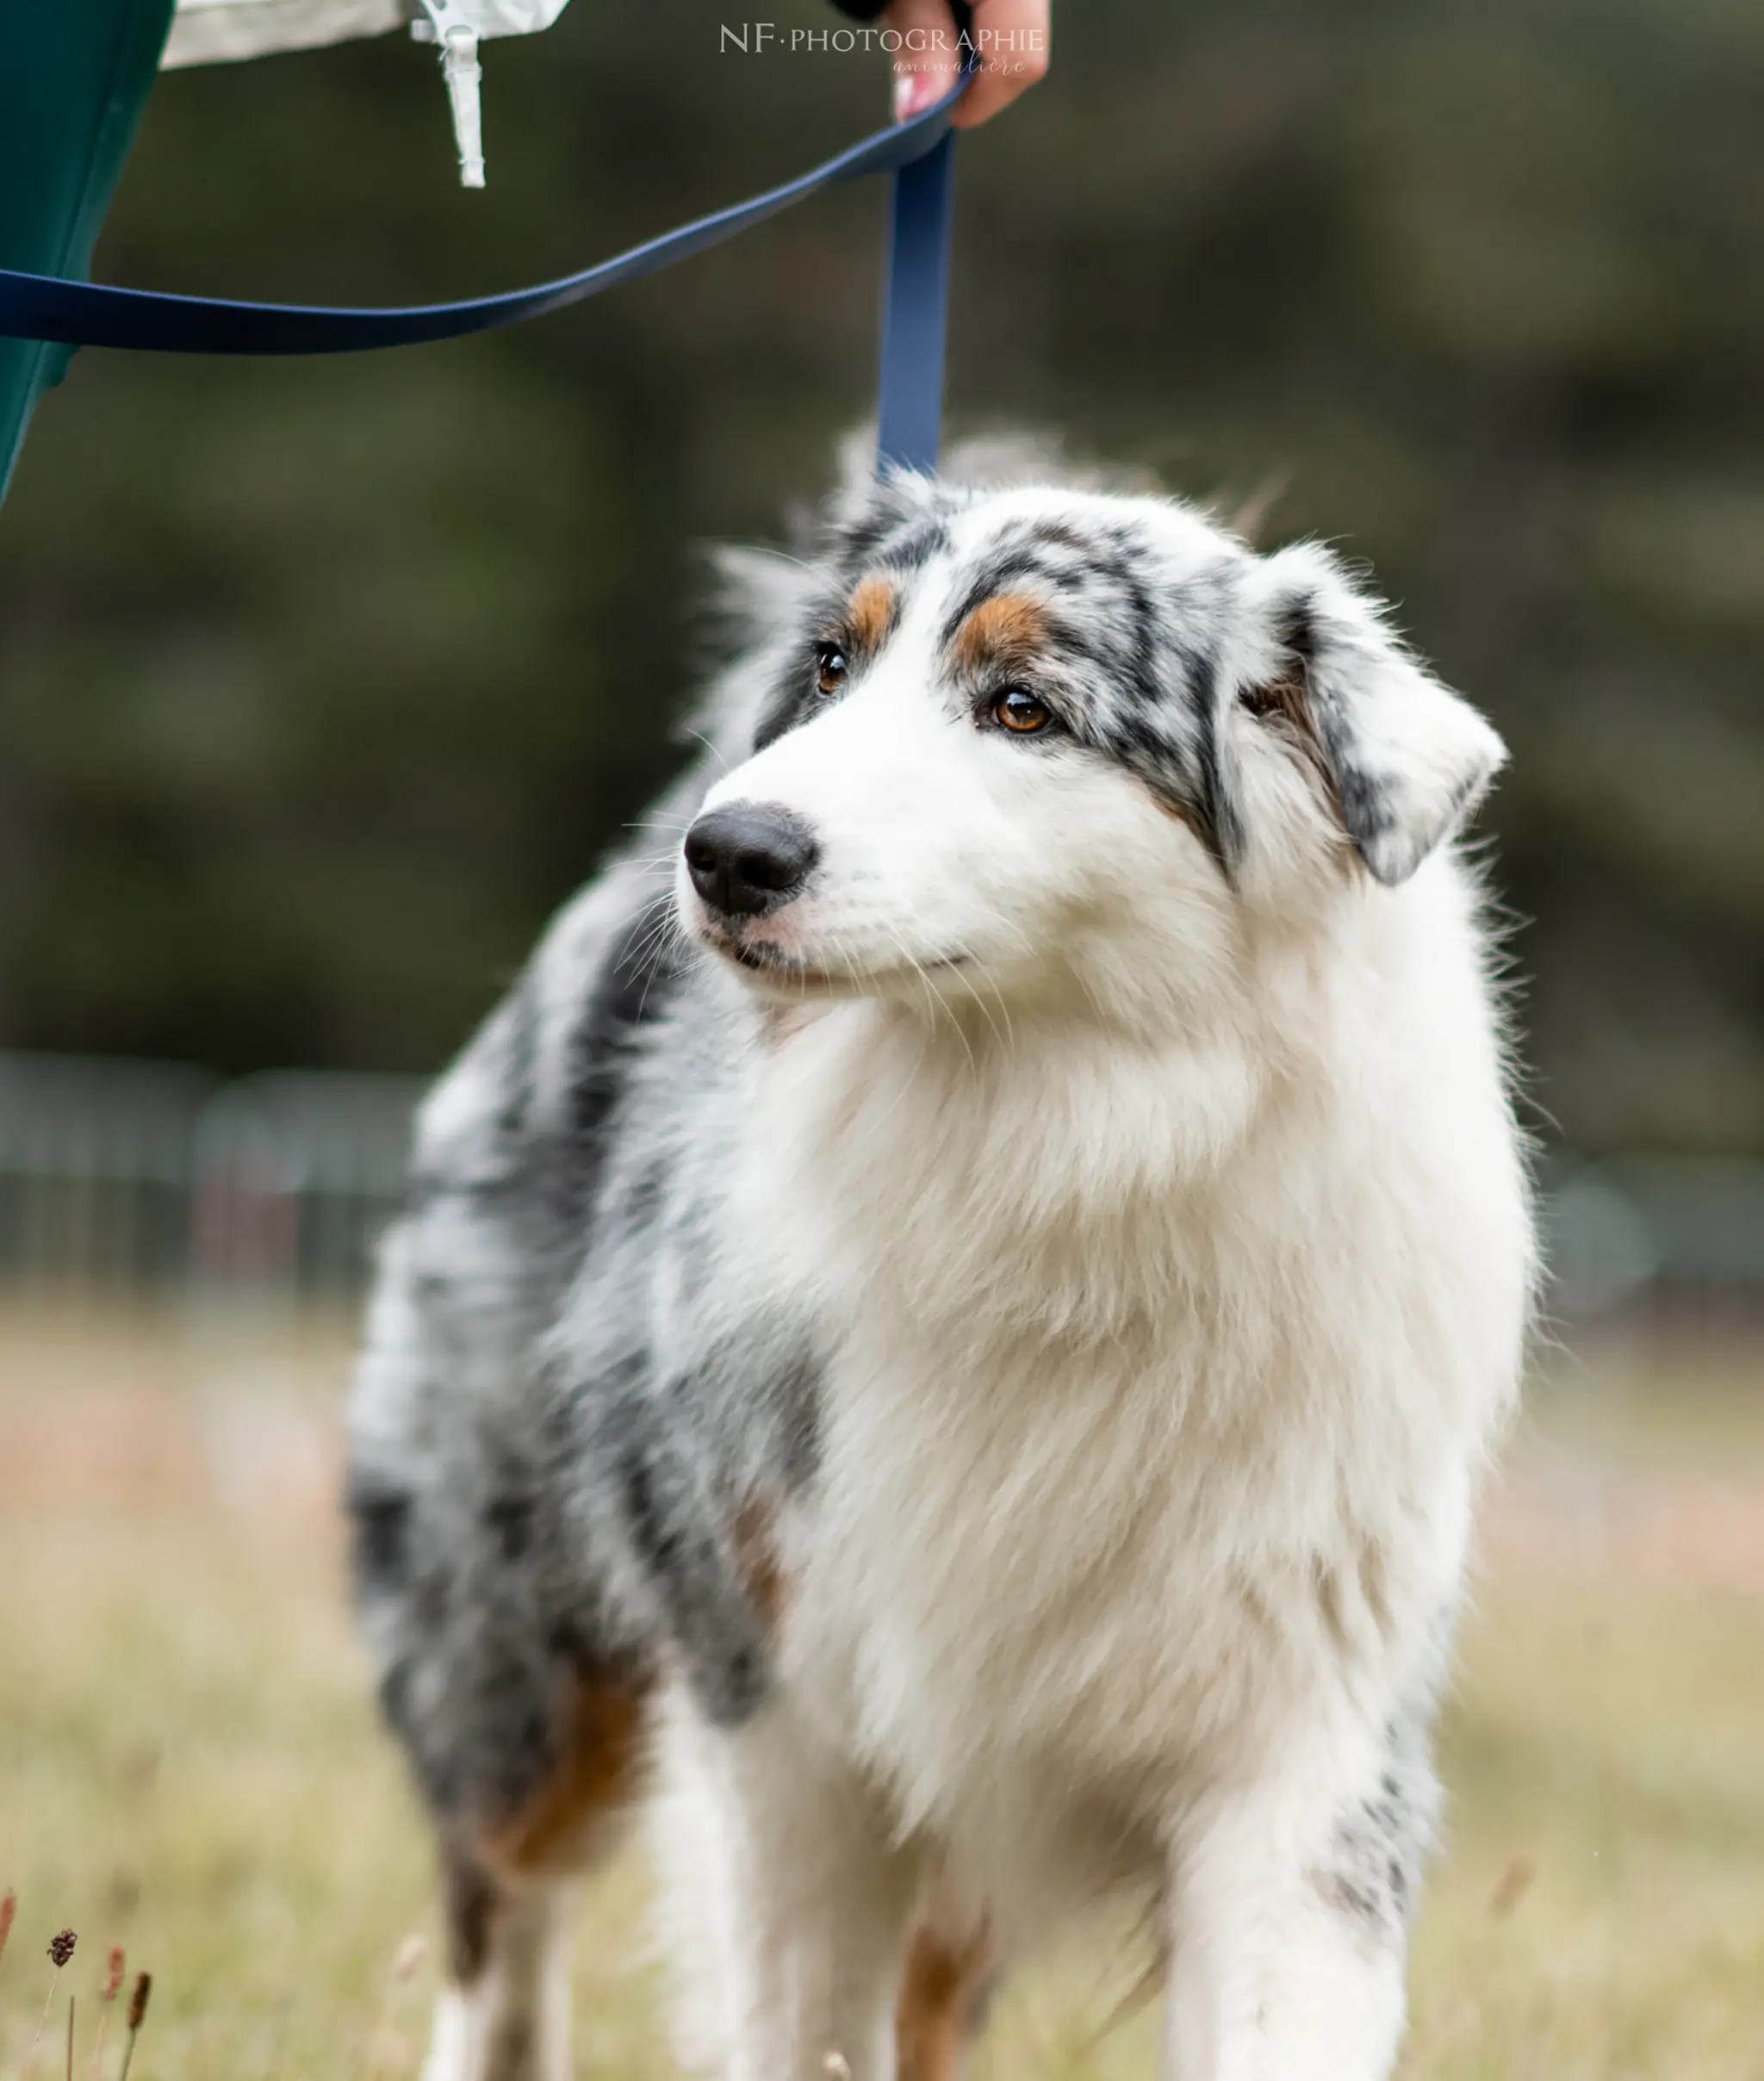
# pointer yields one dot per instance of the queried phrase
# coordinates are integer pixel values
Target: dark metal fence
(121, 1178)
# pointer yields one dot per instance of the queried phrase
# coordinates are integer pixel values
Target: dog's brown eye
(830, 676)
(1021, 713)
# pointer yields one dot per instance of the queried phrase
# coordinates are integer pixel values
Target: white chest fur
(1160, 1387)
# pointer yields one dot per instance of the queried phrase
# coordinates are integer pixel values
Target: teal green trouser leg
(74, 77)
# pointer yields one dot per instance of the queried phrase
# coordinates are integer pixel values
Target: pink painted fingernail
(914, 92)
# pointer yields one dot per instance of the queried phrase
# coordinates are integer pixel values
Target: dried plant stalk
(60, 1950)
(106, 1997)
(137, 2016)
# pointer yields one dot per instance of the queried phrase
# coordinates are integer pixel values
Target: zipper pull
(458, 37)
(462, 72)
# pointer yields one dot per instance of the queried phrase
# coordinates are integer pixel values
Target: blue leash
(919, 153)
(916, 310)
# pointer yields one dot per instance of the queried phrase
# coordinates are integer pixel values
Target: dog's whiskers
(699, 736)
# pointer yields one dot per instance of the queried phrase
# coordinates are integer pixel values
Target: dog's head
(1005, 727)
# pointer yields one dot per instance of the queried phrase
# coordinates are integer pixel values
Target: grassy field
(189, 1765)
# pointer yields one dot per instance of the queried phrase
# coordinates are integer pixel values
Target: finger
(1012, 37)
(927, 60)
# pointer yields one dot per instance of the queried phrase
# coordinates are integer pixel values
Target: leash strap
(916, 289)
(918, 153)
(915, 311)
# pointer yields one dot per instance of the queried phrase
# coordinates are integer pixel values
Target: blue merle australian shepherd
(947, 1330)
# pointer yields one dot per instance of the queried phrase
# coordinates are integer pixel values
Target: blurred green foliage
(326, 681)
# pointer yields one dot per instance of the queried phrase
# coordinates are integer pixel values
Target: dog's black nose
(748, 857)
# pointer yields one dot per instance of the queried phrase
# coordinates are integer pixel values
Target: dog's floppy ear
(1406, 760)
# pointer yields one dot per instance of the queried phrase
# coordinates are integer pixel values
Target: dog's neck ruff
(1094, 1148)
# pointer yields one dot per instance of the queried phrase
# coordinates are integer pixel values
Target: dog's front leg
(787, 1908)
(1290, 1900)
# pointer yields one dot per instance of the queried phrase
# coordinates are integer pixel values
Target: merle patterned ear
(1407, 759)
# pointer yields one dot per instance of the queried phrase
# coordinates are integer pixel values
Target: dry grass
(188, 1766)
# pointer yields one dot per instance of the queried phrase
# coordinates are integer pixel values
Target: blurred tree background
(325, 681)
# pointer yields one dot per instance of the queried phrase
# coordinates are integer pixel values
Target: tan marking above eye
(869, 615)
(1007, 632)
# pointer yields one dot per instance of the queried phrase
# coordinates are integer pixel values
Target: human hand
(1010, 35)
